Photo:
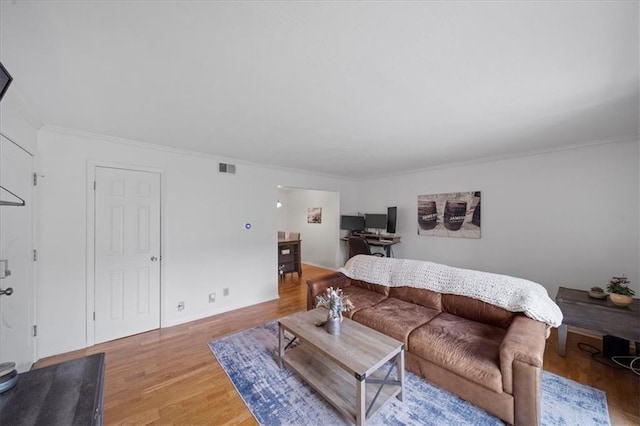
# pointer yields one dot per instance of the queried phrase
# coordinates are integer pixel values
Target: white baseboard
(207, 314)
(331, 268)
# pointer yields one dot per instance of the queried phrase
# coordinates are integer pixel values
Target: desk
(289, 256)
(386, 245)
(601, 316)
(375, 240)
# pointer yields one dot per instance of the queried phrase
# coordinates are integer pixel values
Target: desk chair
(359, 245)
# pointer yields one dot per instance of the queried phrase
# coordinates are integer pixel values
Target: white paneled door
(17, 313)
(127, 253)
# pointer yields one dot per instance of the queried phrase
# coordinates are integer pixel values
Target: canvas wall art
(314, 215)
(456, 214)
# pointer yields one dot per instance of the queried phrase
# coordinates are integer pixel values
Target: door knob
(153, 258)
(7, 292)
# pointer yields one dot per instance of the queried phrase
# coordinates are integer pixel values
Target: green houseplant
(619, 292)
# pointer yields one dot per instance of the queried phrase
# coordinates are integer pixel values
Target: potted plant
(337, 303)
(619, 292)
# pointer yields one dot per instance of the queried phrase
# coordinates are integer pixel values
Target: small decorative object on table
(597, 293)
(8, 376)
(620, 293)
(337, 304)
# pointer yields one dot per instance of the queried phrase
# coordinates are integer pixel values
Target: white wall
(320, 241)
(205, 244)
(17, 123)
(19, 316)
(560, 218)
(563, 218)
(282, 214)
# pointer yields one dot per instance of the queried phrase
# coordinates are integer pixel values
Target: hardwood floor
(621, 385)
(170, 376)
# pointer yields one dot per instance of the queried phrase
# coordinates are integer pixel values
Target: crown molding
(495, 158)
(180, 151)
(186, 152)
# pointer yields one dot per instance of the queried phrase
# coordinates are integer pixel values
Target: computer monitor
(392, 214)
(375, 221)
(352, 223)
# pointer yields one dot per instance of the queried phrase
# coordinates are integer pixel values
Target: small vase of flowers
(619, 292)
(336, 303)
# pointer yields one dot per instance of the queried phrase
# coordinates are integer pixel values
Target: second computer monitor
(375, 221)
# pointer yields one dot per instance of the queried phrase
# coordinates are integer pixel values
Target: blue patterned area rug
(280, 397)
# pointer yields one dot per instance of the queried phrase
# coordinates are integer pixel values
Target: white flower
(335, 302)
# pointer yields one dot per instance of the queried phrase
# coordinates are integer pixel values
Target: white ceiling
(353, 89)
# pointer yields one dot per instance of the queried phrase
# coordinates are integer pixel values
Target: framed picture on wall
(456, 214)
(314, 215)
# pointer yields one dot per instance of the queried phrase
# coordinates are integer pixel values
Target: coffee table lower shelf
(336, 385)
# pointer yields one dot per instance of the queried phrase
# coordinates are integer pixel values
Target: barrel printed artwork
(455, 214)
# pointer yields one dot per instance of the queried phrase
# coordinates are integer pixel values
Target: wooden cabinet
(69, 393)
(289, 256)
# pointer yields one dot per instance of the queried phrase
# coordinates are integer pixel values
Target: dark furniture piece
(358, 245)
(600, 316)
(69, 393)
(289, 256)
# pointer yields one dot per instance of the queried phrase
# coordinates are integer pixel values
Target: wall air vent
(227, 168)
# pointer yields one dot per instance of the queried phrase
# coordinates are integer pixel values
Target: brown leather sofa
(482, 353)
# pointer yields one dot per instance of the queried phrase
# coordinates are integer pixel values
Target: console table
(69, 393)
(600, 316)
(289, 256)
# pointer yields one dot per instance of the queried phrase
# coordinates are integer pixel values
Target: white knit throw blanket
(512, 294)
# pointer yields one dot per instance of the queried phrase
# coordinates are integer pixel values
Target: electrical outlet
(225, 292)
(212, 297)
(180, 306)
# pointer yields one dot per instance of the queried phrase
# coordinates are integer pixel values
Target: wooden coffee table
(340, 367)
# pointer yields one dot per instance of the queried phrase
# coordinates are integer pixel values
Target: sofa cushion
(395, 317)
(419, 296)
(477, 310)
(467, 348)
(361, 298)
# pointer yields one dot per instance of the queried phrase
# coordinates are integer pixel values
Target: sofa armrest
(527, 391)
(524, 342)
(319, 285)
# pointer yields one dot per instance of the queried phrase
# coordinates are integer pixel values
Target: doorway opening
(315, 215)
